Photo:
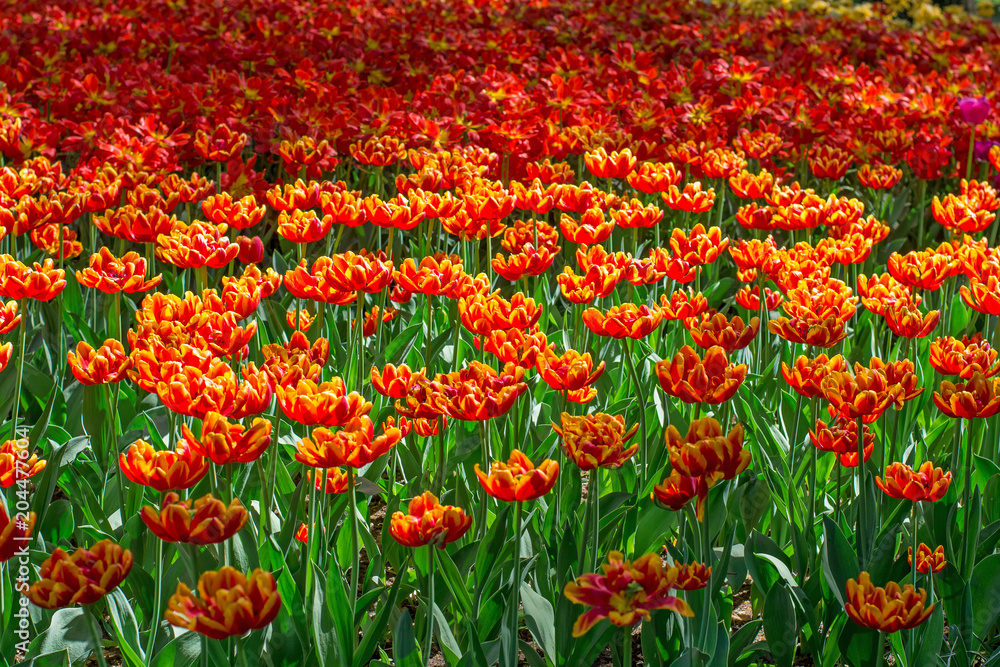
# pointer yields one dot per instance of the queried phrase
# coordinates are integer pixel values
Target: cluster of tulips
(340, 346)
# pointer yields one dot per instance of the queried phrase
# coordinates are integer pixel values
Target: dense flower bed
(372, 333)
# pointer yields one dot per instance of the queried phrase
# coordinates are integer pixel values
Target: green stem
(355, 551)
(627, 651)
(21, 334)
(95, 634)
(515, 593)
(968, 160)
(158, 600)
(966, 505)
(627, 349)
(862, 509)
(431, 557)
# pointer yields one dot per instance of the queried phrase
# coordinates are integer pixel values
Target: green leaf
(931, 636)
(540, 619)
(986, 579)
(780, 626)
(57, 659)
(181, 651)
(859, 645)
(840, 563)
(373, 632)
(340, 610)
(69, 631)
(126, 628)
(404, 647)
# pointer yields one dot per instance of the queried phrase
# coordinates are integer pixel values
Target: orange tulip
(206, 520)
(518, 479)
(888, 609)
(316, 284)
(133, 225)
(598, 281)
(691, 199)
(238, 214)
(195, 246)
(228, 603)
(354, 446)
(301, 320)
(303, 226)
(596, 440)
(653, 177)
(83, 578)
(46, 237)
(42, 282)
(224, 442)
(963, 357)
(162, 471)
(717, 330)
(435, 275)
(926, 483)
(336, 479)
(478, 392)
(752, 216)
(14, 534)
(221, 145)
(806, 375)
(571, 371)
(299, 196)
(618, 164)
(16, 464)
(364, 272)
(675, 491)
(927, 560)
(881, 292)
(808, 329)
(749, 298)
(427, 521)
(920, 270)
(591, 228)
(700, 246)
(706, 454)
(841, 438)
(683, 305)
(879, 176)
(110, 274)
(689, 576)
(327, 404)
(905, 319)
(751, 186)
(106, 365)
(866, 393)
(692, 379)
(624, 321)
(978, 398)
(483, 314)
(624, 594)
(515, 346)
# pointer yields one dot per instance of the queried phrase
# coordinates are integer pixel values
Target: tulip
(518, 480)
(206, 520)
(888, 609)
(927, 561)
(82, 578)
(688, 576)
(841, 438)
(718, 330)
(224, 442)
(624, 321)
(429, 522)
(978, 398)
(105, 365)
(683, 305)
(571, 371)
(162, 471)
(675, 491)
(927, 483)
(40, 281)
(327, 404)
(963, 357)
(974, 110)
(110, 274)
(15, 533)
(228, 604)
(704, 453)
(624, 594)
(694, 380)
(354, 446)
(15, 464)
(596, 440)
